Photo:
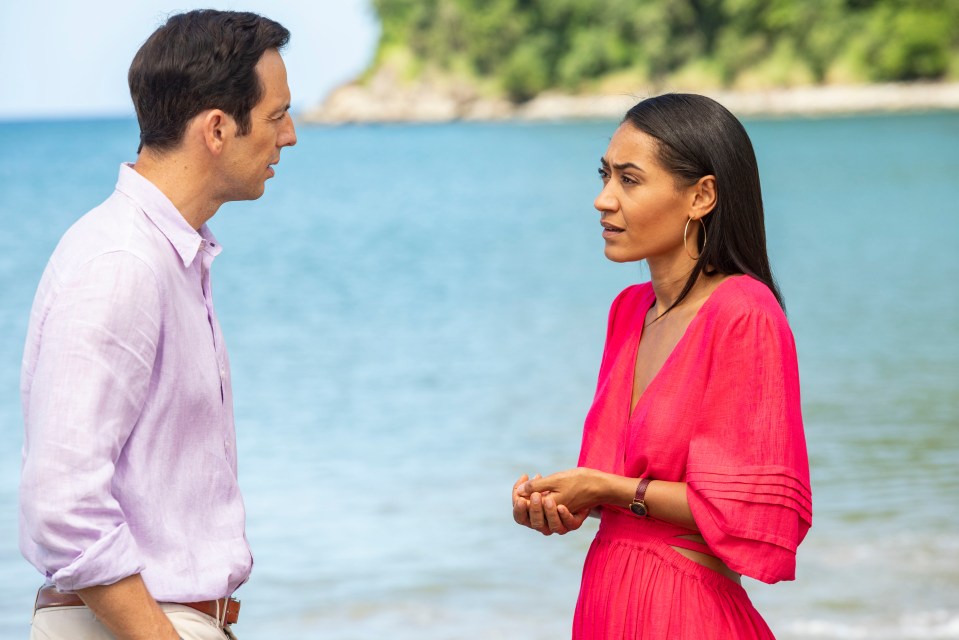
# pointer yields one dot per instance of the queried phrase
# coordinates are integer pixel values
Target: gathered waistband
(621, 527)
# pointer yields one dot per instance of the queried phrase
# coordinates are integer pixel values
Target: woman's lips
(610, 230)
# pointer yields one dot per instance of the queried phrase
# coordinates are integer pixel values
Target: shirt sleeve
(98, 343)
(747, 470)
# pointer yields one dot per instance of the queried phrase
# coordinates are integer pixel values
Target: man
(129, 501)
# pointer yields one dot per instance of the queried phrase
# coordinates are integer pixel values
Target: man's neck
(182, 181)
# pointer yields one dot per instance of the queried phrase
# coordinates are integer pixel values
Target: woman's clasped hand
(558, 503)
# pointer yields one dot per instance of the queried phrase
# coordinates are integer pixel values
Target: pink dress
(722, 415)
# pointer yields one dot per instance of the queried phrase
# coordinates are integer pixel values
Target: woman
(693, 452)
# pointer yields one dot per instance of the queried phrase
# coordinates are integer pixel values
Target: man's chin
(253, 194)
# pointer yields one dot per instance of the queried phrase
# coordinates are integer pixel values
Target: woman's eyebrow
(620, 167)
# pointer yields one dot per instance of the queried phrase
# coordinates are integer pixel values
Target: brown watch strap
(638, 505)
(641, 489)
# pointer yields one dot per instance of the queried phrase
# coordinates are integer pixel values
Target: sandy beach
(383, 100)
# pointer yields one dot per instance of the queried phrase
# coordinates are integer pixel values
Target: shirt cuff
(110, 559)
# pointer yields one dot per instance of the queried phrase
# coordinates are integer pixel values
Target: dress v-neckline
(638, 338)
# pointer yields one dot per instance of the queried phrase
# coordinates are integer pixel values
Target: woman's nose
(605, 201)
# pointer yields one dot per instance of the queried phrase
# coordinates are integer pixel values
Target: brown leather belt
(225, 610)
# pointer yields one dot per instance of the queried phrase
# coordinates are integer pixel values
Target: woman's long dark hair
(700, 137)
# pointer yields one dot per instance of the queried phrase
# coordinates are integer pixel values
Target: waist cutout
(620, 525)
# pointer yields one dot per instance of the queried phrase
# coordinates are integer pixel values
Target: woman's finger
(521, 511)
(516, 487)
(572, 521)
(537, 520)
(553, 520)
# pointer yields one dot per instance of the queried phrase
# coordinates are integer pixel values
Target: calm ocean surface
(415, 316)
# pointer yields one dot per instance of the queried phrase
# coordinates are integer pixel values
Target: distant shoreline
(385, 101)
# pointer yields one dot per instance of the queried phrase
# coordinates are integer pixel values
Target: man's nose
(288, 137)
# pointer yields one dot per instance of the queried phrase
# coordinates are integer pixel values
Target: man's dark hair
(199, 60)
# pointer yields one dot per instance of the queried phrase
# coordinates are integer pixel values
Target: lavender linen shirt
(129, 458)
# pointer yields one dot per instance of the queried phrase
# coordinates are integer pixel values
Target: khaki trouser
(78, 623)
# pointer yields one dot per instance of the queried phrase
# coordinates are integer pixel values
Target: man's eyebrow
(276, 114)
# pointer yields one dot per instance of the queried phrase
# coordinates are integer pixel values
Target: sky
(67, 59)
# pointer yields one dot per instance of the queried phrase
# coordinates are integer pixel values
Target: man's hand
(128, 610)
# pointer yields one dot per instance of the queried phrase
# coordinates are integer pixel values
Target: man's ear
(703, 197)
(215, 127)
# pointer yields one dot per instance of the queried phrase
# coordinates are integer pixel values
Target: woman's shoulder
(744, 314)
(742, 295)
(743, 299)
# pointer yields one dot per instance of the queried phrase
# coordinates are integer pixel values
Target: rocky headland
(383, 98)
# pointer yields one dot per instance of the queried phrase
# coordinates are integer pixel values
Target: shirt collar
(185, 239)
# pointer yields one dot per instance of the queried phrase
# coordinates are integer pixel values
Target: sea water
(415, 317)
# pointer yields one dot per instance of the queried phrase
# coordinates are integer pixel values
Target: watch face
(639, 509)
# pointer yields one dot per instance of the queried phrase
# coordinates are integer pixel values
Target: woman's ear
(704, 197)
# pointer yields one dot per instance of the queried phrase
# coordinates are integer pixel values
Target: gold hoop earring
(686, 231)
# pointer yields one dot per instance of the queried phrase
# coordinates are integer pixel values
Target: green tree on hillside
(526, 46)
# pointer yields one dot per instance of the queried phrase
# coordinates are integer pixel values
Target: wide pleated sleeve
(747, 467)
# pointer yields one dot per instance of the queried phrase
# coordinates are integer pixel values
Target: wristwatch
(638, 505)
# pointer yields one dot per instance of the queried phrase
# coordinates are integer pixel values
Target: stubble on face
(253, 155)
